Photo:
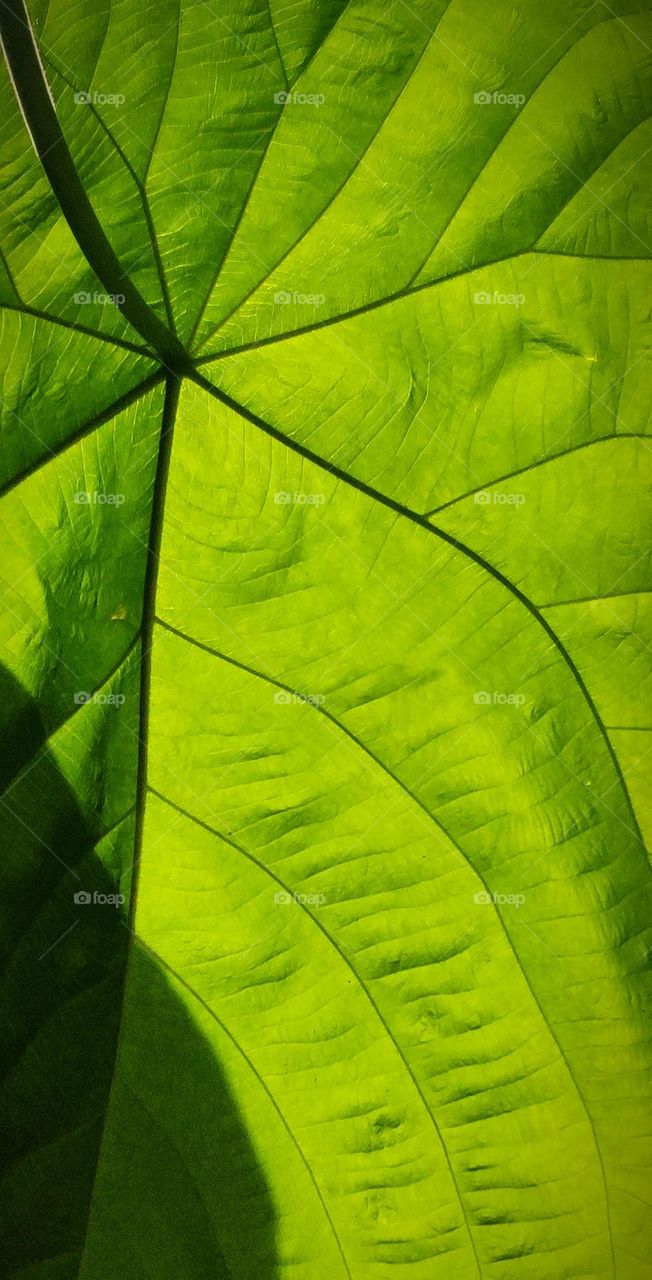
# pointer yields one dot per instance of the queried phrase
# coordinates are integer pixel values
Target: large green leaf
(325, 640)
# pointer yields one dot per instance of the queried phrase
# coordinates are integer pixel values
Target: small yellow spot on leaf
(119, 615)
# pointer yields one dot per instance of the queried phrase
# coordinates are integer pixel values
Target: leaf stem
(33, 94)
(172, 387)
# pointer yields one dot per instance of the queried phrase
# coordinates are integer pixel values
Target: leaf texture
(325, 640)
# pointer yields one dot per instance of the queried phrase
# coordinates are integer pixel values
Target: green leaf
(325, 641)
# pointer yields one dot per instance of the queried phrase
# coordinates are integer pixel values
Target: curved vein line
(236, 227)
(541, 462)
(464, 855)
(438, 824)
(142, 194)
(363, 987)
(250, 191)
(155, 535)
(339, 724)
(45, 902)
(589, 257)
(463, 548)
(10, 278)
(597, 199)
(512, 125)
(254, 1070)
(340, 188)
(325, 38)
(594, 194)
(44, 747)
(276, 43)
(24, 309)
(629, 728)
(610, 595)
(50, 1014)
(146, 630)
(378, 497)
(98, 419)
(99, 49)
(406, 292)
(171, 1141)
(166, 99)
(39, 113)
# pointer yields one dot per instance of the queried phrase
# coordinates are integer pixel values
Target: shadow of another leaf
(124, 1153)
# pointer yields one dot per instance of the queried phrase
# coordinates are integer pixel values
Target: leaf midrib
(33, 94)
(38, 108)
(34, 97)
(140, 188)
(23, 57)
(456, 543)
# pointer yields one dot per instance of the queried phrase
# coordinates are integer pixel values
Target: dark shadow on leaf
(178, 1191)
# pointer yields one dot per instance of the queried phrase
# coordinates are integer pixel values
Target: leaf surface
(326, 641)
